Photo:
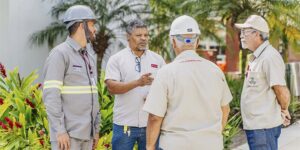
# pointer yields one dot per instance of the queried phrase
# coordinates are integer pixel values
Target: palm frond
(49, 34)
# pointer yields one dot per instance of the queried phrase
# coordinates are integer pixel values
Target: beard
(92, 36)
(142, 48)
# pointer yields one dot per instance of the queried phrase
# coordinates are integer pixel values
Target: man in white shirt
(188, 102)
(265, 97)
(129, 74)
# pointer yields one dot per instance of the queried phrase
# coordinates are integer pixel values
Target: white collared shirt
(189, 94)
(122, 67)
(259, 106)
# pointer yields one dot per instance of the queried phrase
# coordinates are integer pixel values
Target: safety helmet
(78, 13)
(184, 25)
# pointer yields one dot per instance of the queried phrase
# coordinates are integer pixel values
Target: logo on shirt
(76, 68)
(154, 65)
(252, 81)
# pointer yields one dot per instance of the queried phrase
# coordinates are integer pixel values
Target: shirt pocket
(255, 79)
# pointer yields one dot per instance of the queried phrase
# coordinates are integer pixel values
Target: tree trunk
(232, 47)
(100, 46)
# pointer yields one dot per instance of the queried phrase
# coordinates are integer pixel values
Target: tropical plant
(233, 126)
(106, 102)
(112, 18)
(23, 118)
(163, 12)
(286, 28)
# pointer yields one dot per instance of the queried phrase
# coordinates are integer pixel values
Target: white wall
(18, 20)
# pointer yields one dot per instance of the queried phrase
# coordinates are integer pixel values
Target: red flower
(1, 101)
(106, 145)
(39, 85)
(42, 142)
(10, 123)
(30, 103)
(18, 125)
(7, 120)
(2, 71)
(41, 132)
(4, 126)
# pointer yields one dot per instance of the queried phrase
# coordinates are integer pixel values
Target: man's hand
(95, 141)
(63, 140)
(286, 117)
(145, 79)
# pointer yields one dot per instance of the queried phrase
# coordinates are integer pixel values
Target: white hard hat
(255, 22)
(78, 13)
(184, 25)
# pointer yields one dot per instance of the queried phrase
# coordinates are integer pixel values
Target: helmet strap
(86, 31)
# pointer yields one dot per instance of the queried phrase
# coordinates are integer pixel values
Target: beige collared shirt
(189, 93)
(259, 106)
(123, 67)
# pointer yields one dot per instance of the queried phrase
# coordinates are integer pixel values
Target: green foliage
(23, 118)
(235, 119)
(106, 102)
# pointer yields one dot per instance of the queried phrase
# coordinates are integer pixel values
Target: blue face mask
(186, 39)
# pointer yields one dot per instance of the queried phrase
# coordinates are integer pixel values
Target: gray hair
(135, 24)
(264, 36)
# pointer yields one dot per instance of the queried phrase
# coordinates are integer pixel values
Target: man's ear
(128, 36)
(197, 42)
(174, 44)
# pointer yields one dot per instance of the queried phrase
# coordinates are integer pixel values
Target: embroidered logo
(154, 65)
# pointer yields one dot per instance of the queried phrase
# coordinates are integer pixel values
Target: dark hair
(73, 28)
(137, 23)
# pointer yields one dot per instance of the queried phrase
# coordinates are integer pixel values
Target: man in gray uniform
(70, 91)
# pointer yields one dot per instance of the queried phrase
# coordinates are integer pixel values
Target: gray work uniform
(70, 92)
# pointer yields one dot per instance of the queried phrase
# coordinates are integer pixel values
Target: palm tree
(112, 18)
(285, 24)
(232, 11)
(163, 12)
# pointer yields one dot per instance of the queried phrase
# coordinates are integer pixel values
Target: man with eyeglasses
(188, 102)
(129, 74)
(265, 97)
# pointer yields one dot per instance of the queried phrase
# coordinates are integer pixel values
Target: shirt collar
(187, 54)
(260, 49)
(73, 44)
(144, 54)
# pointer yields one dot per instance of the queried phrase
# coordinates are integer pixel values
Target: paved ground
(289, 138)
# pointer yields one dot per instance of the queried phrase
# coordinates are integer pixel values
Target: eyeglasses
(247, 32)
(138, 64)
